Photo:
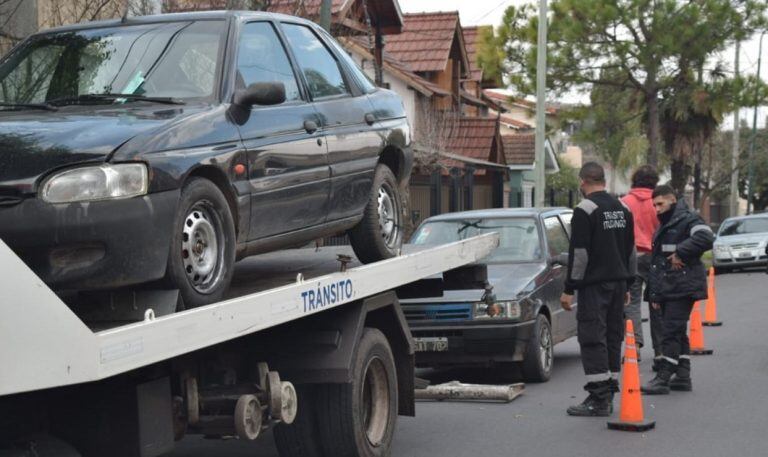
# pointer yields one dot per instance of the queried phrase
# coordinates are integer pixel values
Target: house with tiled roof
(520, 157)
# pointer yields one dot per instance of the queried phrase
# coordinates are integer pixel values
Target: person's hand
(627, 299)
(566, 301)
(675, 261)
(655, 306)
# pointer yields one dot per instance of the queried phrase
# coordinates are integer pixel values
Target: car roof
(498, 213)
(748, 216)
(173, 17)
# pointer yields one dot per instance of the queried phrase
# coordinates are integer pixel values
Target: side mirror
(271, 93)
(560, 259)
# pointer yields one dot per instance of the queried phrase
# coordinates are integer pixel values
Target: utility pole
(751, 186)
(734, 200)
(541, 118)
(325, 15)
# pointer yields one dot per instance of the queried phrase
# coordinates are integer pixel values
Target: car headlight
(102, 182)
(721, 249)
(498, 310)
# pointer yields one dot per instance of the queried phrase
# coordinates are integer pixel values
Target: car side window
(557, 239)
(320, 67)
(261, 58)
(565, 218)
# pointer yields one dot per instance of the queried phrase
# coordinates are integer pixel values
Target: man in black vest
(601, 266)
(677, 279)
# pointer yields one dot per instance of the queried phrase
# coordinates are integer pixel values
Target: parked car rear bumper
(480, 343)
(95, 245)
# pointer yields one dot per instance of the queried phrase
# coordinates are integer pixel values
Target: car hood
(35, 142)
(510, 281)
(741, 239)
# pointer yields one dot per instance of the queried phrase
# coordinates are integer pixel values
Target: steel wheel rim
(375, 402)
(389, 216)
(545, 343)
(202, 247)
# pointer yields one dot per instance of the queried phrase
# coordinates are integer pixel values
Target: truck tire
(300, 438)
(538, 359)
(358, 419)
(202, 254)
(379, 235)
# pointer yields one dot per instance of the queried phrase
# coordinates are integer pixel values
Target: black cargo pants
(674, 343)
(600, 316)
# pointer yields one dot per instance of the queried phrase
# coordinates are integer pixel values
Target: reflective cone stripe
(696, 334)
(710, 311)
(631, 414)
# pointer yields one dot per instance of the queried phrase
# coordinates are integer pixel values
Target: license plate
(745, 254)
(431, 344)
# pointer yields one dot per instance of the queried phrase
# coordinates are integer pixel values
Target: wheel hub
(389, 216)
(546, 349)
(375, 402)
(201, 247)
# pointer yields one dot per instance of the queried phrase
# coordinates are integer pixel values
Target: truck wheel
(379, 235)
(358, 419)
(202, 257)
(300, 438)
(538, 360)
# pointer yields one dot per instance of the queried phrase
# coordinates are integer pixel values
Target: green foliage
(647, 47)
(490, 55)
(717, 170)
(567, 179)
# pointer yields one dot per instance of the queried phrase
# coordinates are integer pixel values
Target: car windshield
(744, 226)
(176, 59)
(518, 237)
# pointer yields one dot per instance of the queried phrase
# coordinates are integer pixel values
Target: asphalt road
(726, 414)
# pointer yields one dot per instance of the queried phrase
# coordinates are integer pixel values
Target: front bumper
(95, 245)
(475, 343)
(740, 259)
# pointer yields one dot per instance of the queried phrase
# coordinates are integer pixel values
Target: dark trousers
(656, 318)
(600, 316)
(675, 324)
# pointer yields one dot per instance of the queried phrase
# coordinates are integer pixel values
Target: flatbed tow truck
(321, 353)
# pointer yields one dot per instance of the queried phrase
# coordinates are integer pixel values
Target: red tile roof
(474, 138)
(426, 41)
(519, 149)
(471, 36)
(510, 100)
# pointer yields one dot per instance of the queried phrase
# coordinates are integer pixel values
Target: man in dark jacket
(601, 267)
(677, 279)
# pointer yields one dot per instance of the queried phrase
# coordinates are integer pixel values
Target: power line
(490, 11)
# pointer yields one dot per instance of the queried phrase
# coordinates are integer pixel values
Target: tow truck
(319, 352)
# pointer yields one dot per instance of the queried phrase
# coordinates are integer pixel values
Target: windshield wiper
(100, 97)
(43, 106)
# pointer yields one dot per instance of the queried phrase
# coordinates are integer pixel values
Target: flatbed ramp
(43, 344)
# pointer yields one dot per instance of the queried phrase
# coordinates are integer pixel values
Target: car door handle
(310, 126)
(370, 119)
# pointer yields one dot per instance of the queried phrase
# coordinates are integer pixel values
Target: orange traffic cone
(631, 415)
(696, 334)
(710, 312)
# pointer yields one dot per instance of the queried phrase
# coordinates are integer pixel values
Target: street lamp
(751, 186)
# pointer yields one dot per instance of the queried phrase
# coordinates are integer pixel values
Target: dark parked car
(527, 272)
(164, 148)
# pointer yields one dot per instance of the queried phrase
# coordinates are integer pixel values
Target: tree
(638, 45)
(490, 55)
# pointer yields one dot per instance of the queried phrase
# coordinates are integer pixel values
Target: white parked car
(741, 243)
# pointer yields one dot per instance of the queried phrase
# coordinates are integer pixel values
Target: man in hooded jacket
(676, 280)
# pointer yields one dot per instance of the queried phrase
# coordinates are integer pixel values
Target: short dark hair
(592, 172)
(645, 176)
(664, 190)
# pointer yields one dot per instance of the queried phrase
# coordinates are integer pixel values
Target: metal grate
(438, 312)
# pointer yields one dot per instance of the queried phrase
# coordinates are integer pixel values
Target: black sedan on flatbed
(527, 271)
(159, 150)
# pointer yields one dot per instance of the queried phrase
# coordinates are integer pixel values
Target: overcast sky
(481, 12)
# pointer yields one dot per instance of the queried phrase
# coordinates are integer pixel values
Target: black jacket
(602, 243)
(687, 235)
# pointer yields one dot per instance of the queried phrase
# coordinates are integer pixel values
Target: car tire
(539, 354)
(202, 254)
(299, 439)
(359, 418)
(379, 235)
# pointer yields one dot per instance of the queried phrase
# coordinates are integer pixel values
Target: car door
(563, 322)
(287, 158)
(347, 119)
